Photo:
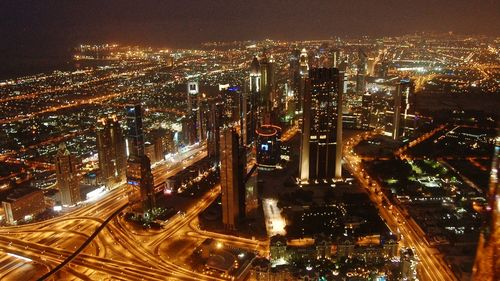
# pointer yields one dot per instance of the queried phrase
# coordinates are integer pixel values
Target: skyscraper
(195, 129)
(267, 82)
(403, 107)
(255, 75)
(111, 151)
(214, 124)
(487, 263)
(321, 145)
(68, 181)
(361, 72)
(135, 135)
(366, 110)
(139, 177)
(304, 72)
(232, 173)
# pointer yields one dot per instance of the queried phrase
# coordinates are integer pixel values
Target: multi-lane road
(119, 252)
(431, 264)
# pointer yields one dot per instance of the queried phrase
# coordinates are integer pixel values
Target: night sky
(44, 29)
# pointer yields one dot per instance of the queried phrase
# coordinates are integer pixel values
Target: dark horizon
(48, 30)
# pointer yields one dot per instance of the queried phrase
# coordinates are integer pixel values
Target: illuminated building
(321, 144)
(68, 181)
(304, 72)
(111, 151)
(366, 110)
(135, 135)
(268, 147)
(232, 172)
(361, 75)
(408, 264)
(139, 177)
(23, 204)
(248, 117)
(194, 129)
(213, 130)
(403, 107)
(487, 262)
(255, 76)
(294, 81)
(267, 82)
(335, 58)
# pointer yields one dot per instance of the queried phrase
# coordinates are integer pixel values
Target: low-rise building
(23, 204)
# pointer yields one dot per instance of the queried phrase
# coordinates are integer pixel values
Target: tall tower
(321, 145)
(139, 177)
(304, 73)
(232, 171)
(487, 263)
(68, 181)
(361, 75)
(366, 110)
(255, 76)
(214, 124)
(403, 99)
(195, 129)
(135, 136)
(111, 151)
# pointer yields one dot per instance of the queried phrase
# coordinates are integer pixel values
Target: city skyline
(46, 32)
(321, 140)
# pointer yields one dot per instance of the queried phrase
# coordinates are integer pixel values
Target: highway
(431, 265)
(117, 252)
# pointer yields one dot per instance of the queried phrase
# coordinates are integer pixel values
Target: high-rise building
(487, 262)
(68, 181)
(194, 114)
(139, 177)
(111, 151)
(361, 72)
(248, 116)
(366, 110)
(335, 58)
(268, 147)
(304, 72)
(255, 75)
(267, 83)
(232, 173)
(403, 108)
(294, 81)
(135, 135)
(214, 123)
(321, 144)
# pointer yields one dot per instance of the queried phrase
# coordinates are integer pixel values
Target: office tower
(361, 72)
(111, 151)
(139, 177)
(135, 135)
(268, 147)
(214, 123)
(366, 110)
(487, 262)
(403, 107)
(232, 173)
(68, 181)
(304, 72)
(267, 82)
(294, 81)
(255, 76)
(195, 129)
(321, 145)
(335, 58)
(248, 116)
